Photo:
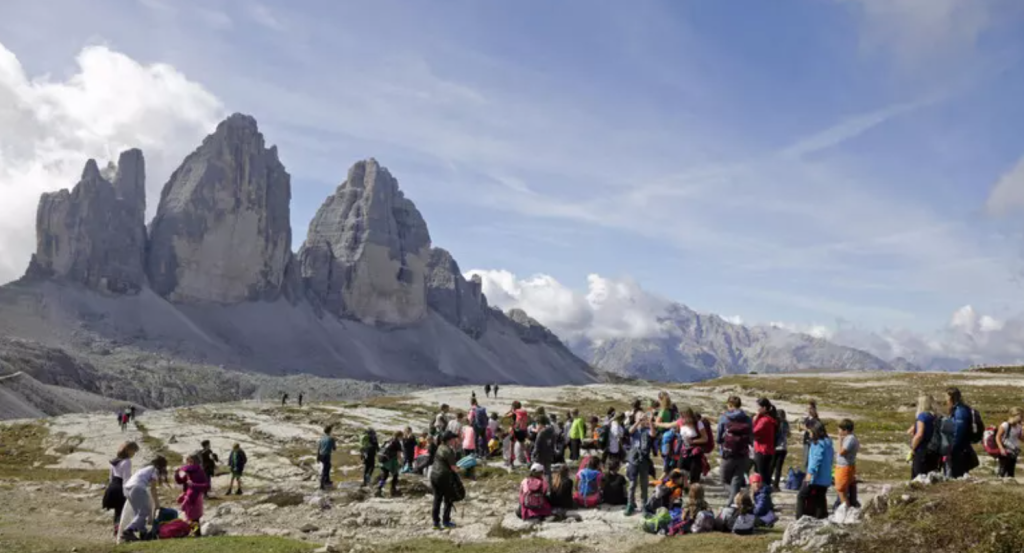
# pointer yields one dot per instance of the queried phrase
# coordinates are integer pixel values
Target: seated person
(588, 484)
(764, 507)
(533, 495)
(614, 489)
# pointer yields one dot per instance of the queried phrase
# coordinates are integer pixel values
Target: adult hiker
(735, 434)
(766, 426)
(642, 436)
(544, 447)
(635, 410)
(120, 471)
(811, 499)
(561, 439)
(324, 450)
(962, 458)
(300, 399)
(284, 399)
(124, 420)
(444, 479)
(389, 463)
(441, 420)
(236, 462)
(487, 390)
(1008, 440)
(695, 445)
(142, 494)
(495, 391)
(577, 433)
(368, 449)
(812, 414)
(781, 449)
(924, 448)
(479, 420)
(131, 412)
(209, 461)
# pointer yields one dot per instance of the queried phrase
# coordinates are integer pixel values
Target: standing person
(811, 499)
(495, 391)
(735, 434)
(616, 435)
(409, 445)
(455, 427)
(487, 391)
(480, 421)
(284, 399)
(635, 410)
(120, 472)
(577, 432)
(389, 455)
(195, 484)
(520, 425)
(236, 461)
(324, 450)
(962, 458)
(694, 445)
(846, 464)
(368, 449)
(781, 449)
(124, 420)
(812, 415)
(492, 426)
(443, 474)
(1008, 439)
(766, 426)
(300, 399)
(143, 497)
(544, 447)
(441, 420)
(642, 436)
(926, 457)
(468, 438)
(131, 413)
(209, 462)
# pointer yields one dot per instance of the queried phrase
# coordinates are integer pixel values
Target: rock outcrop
(459, 301)
(365, 256)
(95, 234)
(222, 231)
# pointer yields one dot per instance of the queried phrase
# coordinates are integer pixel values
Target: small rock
(308, 527)
(212, 529)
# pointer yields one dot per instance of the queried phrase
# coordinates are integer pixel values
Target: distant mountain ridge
(697, 346)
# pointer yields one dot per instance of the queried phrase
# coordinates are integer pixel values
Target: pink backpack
(176, 528)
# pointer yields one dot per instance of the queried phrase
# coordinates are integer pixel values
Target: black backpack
(977, 427)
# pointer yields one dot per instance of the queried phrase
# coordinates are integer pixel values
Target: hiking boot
(630, 510)
(438, 528)
(449, 525)
(129, 535)
(239, 492)
(378, 493)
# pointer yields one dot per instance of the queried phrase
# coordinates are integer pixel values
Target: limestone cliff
(459, 301)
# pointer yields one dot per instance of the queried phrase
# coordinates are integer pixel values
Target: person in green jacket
(577, 433)
(237, 461)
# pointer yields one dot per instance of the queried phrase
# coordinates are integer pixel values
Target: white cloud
(264, 16)
(610, 308)
(734, 319)
(1008, 192)
(815, 330)
(48, 128)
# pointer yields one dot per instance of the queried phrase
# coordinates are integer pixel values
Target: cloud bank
(48, 128)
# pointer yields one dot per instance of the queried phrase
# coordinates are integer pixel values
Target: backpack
(534, 498)
(989, 441)
(669, 443)
(795, 479)
(603, 437)
(710, 446)
(935, 442)
(705, 522)
(458, 491)
(642, 447)
(588, 482)
(942, 437)
(977, 427)
(736, 441)
(658, 523)
(174, 529)
(480, 418)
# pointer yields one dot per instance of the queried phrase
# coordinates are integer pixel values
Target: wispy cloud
(848, 129)
(265, 16)
(1008, 192)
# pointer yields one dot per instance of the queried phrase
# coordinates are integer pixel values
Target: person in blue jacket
(961, 455)
(811, 500)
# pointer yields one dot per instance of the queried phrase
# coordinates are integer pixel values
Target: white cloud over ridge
(49, 128)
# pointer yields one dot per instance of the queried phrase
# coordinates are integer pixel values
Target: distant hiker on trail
(811, 500)
(123, 419)
(300, 399)
(735, 435)
(120, 471)
(284, 399)
(472, 396)
(766, 426)
(389, 463)
(495, 391)
(143, 497)
(324, 449)
(209, 462)
(781, 447)
(131, 412)
(962, 458)
(1008, 439)
(487, 391)
(440, 425)
(195, 485)
(812, 414)
(925, 445)
(444, 479)
(236, 461)
(368, 449)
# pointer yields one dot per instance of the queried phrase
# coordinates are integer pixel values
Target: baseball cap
(536, 467)
(756, 478)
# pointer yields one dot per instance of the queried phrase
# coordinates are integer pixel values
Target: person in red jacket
(766, 424)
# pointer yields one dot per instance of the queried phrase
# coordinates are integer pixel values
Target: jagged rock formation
(366, 252)
(459, 301)
(222, 231)
(96, 235)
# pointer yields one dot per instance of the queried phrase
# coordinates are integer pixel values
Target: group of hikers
(752, 451)
(124, 416)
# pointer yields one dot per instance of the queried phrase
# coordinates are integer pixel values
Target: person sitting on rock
(669, 492)
(194, 483)
(588, 484)
(533, 495)
(389, 463)
(743, 523)
(561, 492)
(613, 489)
(697, 515)
(764, 507)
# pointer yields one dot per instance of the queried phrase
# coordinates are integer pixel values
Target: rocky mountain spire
(96, 234)
(222, 231)
(366, 252)
(459, 301)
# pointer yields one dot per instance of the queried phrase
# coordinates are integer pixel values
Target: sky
(849, 168)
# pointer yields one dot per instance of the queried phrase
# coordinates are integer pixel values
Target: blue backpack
(668, 440)
(588, 479)
(795, 479)
(480, 419)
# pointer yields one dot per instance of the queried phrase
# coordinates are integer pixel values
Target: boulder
(95, 234)
(210, 529)
(365, 255)
(459, 301)
(222, 231)
(809, 535)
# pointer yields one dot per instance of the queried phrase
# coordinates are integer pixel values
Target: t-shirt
(665, 415)
(522, 419)
(122, 470)
(326, 446)
(444, 460)
(1011, 437)
(455, 427)
(492, 426)
(928, 421)
(852, 446)
(468, 438)
(687, 433)
(615, 434)
(142, 478)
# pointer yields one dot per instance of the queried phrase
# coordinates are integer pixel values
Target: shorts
(845, 477)
(521, 435)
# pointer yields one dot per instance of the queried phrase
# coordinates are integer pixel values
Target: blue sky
(800, 161)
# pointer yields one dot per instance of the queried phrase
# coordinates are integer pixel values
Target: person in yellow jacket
(577, 433)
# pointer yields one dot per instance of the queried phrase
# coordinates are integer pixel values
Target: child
(236, 461)
(588, 484)
(368, 448)
(209, 462)
(533, 495)
(468, 440)
(142, 495)
(194, 484)
(614, 489)
(508, 448)
(669, 492)
(846, 464)
(560, 495)
(408, 450)
(492, 427)
(743, 525)
(389, 465)
(764, 507)
(697, 516)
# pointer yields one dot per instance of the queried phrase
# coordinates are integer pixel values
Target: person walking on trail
(236, 462)
(368, 449)
(766, 426)
(487, 391)
(495, 391)
(120, 472)
(577, 433)
(324, 450)
(642, 436)
(544, 447)
(846, 465)
(925, 450)
(781, 449)
(1008, 440)
(131, 413)
(811, 499)
(734, 436)
(123, 420)
(389, 456)
(209, 462)
(284, 399)
(444, 479)
(300, 399)
(142, 495)
(962, 458)
(812, 414)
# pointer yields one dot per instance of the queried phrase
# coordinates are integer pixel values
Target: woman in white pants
(142, 495)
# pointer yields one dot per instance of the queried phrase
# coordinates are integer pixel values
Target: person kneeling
(533, 495)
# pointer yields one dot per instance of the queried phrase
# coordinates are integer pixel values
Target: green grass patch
(23, 455)
(712, 543)
(526, 545)
(225, 544)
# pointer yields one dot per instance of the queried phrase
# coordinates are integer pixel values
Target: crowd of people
(575, 462)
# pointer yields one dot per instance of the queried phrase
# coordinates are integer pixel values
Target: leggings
(777, 464)
(924, 462)
(694, 465)
(369, 463)
(811, 501)
(1007, 466)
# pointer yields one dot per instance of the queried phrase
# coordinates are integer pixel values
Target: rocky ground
(52, 469)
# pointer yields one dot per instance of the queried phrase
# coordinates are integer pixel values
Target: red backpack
(710, 446)
(534, 499)
(989, 441)
(176, 528)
